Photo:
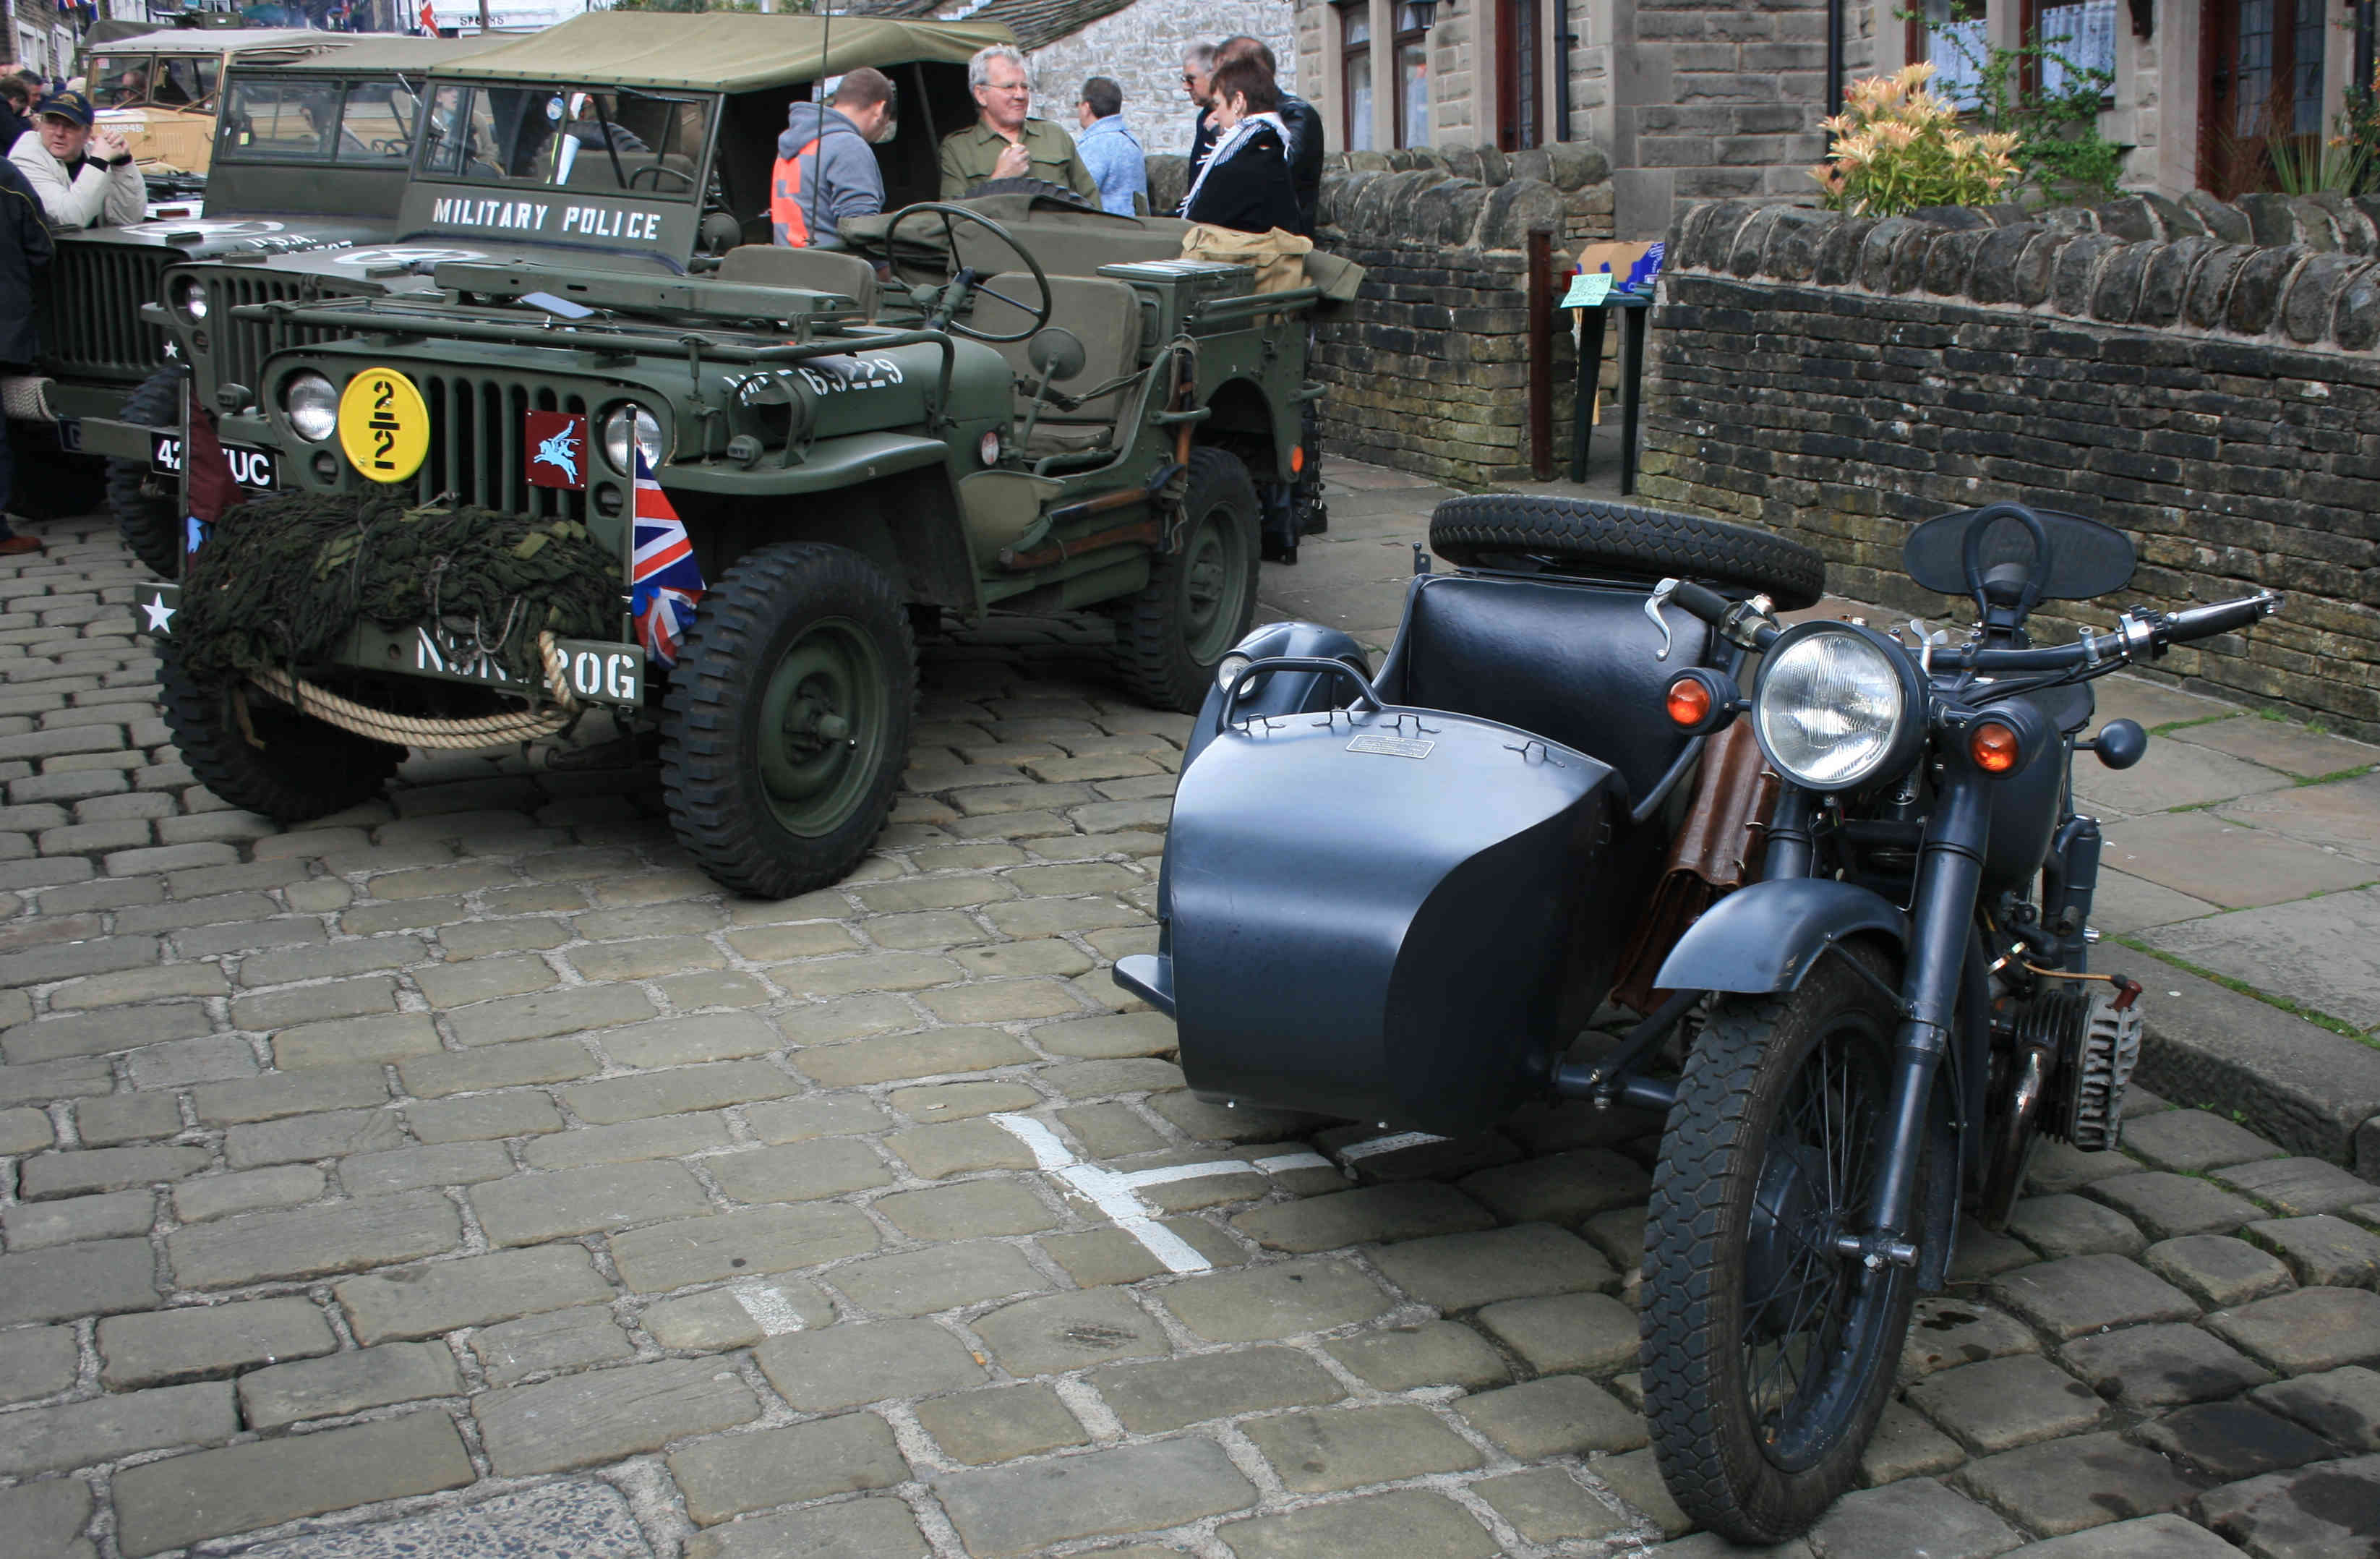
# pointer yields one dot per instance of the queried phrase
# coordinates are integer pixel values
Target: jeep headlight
(311, 406)
(190, 299)
(625, 422)
(1837, 706)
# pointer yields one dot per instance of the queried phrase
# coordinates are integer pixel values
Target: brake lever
(1653, 605)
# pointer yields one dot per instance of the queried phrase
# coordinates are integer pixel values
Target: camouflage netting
(280, 583)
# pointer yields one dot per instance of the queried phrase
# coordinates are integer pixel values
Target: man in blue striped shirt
(1113, 154)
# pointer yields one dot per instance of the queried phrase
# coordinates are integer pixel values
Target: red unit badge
(557, 449)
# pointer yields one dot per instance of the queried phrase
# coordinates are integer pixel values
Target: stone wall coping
(2299, 269)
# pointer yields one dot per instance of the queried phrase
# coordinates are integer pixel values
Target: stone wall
(2200, 375)
(1141, 47)
(1427, 369)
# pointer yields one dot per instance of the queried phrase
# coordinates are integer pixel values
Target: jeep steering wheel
(966, 278)
(658, 170)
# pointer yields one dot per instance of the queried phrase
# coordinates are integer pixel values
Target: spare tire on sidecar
(1400, 898)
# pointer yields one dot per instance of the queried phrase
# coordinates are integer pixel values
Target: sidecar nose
(1148, 976)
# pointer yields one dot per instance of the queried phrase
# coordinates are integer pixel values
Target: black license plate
(252, 468)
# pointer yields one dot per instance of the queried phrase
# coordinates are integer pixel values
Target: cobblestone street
(466, 1175)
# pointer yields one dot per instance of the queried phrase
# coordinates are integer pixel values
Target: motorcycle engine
(2096, 1044)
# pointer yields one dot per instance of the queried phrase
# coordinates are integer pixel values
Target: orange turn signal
(1994, 746)
(1688, 702)
(1297, 460)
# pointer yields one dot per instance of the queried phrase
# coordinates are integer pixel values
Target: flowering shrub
(1899, 147)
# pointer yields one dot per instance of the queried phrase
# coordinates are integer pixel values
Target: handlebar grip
(2224, 616)
(1702, 600)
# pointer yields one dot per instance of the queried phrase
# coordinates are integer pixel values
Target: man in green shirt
(1003, 143)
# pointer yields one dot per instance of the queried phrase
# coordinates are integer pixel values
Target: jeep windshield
(568, 138)
(314, 119)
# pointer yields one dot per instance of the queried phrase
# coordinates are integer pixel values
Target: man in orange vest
(826, 162)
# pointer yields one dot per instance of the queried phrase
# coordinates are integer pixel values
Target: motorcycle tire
(1579, 535)
(151, 522)
(1772, 1142)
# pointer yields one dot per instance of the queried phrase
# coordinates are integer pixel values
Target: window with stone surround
(1355, 75)
(2077, 33)
(1412, 45)
(1950, 34)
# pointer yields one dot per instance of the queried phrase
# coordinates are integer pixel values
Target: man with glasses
(1004, 142)
(1198, 83)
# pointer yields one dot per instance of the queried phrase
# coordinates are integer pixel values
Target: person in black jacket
(1245, 183)
(24, 248)
(1198, 83)
(1301, 125)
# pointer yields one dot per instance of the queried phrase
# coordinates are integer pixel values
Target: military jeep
(641, 142)
(309, 151)
(1056, 413)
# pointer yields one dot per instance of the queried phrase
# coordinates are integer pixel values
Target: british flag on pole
(665, 581)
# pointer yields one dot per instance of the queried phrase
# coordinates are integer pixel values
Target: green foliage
(2061, 157)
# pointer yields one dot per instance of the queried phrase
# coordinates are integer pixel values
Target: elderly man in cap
(83, 176)
(1004, 143)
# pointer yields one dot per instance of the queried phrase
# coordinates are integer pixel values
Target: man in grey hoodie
(826, 162)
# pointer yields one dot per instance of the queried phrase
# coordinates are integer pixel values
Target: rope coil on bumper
(410, 730)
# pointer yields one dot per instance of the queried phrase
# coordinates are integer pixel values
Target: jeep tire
(1201, 597)
(152, 524)
(787, 725)
(296, 768)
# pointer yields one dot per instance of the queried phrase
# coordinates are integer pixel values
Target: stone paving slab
(467, 1174)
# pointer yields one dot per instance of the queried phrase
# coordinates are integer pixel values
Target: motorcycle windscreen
(1374, 917)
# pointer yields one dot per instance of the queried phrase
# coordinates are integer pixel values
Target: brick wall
(1427, 369)
(2202, 376)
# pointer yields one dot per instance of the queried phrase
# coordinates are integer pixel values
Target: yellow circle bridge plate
(383, 424)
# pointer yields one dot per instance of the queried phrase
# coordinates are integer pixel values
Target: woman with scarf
(1245, 183)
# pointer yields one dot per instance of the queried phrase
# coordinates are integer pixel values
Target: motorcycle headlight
(191, 299)
(1228, 670)
(1837, 707)
(624, 423)
(311, 406)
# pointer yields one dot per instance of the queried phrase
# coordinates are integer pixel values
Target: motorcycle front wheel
(1768, 1357)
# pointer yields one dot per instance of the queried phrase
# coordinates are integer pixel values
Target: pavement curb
(2309, 1089)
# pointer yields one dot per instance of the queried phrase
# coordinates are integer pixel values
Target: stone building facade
(1141, 47)
(2199, 374)
(1702, 99)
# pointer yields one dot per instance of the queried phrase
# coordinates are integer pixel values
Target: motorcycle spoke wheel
(1769, 1355)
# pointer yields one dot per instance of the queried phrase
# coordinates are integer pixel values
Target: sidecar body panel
(1397, 952)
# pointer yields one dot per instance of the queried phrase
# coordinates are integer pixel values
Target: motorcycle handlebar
(2135, 638)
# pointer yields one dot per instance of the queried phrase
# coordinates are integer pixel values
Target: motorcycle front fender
(1765, 936)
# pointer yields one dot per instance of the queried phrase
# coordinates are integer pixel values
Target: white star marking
(161, 617)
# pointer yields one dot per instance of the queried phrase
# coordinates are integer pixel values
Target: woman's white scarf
(1233, 138)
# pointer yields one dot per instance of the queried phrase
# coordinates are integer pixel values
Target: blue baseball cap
(68, 106)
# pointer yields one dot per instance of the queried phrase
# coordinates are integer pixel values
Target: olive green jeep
(777, 472)
(638, 142)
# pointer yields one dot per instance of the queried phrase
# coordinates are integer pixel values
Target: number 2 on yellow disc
(383, 424)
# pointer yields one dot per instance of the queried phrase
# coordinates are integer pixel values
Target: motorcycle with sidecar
(1835, 873)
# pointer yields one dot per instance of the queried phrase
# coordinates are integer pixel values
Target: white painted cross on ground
(1114, 1192)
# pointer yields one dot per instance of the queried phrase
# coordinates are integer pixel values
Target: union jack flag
(665, 581)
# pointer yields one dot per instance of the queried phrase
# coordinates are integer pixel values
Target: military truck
(276, 187)
(157, 90)
(779, 469)
(519, 163)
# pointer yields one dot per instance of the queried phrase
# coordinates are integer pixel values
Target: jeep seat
(1106, 316)
(1567, 661)
(818, 269)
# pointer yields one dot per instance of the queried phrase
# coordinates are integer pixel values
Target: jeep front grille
(478, 427)
(93, 328)
(236, 347)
